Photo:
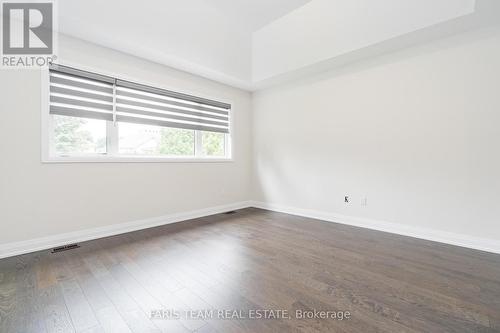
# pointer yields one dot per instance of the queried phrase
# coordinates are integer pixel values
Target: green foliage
(213, 143)
(176, 141)
(70, 137)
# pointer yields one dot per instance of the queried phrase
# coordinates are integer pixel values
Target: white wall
(416, 131)
(46, 199)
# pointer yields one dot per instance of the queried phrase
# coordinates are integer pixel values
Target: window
(73, 135)
(137, 139)
(212, 143)
(92, 116)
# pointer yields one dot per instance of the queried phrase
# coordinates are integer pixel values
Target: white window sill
(134, 159)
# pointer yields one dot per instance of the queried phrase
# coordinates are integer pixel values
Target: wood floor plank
(10, 308)
(29, 311)
(79, 309)
(355, 273)
(464, 306)
(56, 315)
(247, 261)
(137, 320)
(139, 294)
(106, 314)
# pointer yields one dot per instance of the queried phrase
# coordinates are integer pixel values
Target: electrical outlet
(346, 199)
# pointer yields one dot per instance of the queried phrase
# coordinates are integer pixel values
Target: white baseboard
(483, 244)
(44, 243)
(38, 244)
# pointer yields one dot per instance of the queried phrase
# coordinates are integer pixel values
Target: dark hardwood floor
(251, 261)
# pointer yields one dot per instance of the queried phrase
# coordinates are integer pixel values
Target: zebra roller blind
(88, 95)
(80, 94)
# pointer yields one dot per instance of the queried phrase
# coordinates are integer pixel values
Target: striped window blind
(80, 94)
(88, 95)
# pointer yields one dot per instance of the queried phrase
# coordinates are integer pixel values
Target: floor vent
(65, 248)
(230, 212)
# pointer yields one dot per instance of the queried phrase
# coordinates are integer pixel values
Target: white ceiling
(249, 43)
(209, 37)
(298, 39)
(254, 14)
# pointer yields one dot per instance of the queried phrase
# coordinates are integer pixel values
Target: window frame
(112, 155)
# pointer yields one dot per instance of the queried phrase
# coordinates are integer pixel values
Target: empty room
(250, 166)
